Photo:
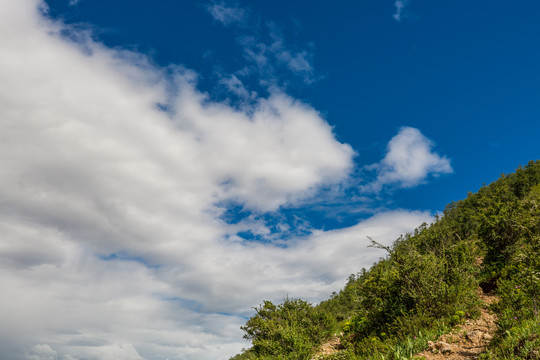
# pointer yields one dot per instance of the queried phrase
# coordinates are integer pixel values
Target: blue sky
(463, 73)
(169, 165)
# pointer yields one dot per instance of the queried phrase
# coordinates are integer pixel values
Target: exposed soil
(466, 341)
(332, 346)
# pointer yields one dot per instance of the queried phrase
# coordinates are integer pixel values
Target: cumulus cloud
(90, 308)
(408, 162)
(42, 352)
(113, 242)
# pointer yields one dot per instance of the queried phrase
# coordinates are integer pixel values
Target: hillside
(432, 282)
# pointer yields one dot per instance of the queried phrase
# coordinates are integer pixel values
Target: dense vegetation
(426, 284)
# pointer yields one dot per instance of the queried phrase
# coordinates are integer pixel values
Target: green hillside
(427, 283)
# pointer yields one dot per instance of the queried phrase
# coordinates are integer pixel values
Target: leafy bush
(426, 284)
(290, 330)
(521, 341)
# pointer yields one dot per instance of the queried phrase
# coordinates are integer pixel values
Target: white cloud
(267, 59)
(228, 15)
(297, 60)
(267, 51)
(235, 86)
(112, 244)
(408, 162)
(89, 308)
(400, 5)
(42, 352)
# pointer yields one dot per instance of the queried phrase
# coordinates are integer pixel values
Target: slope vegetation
(427, 286)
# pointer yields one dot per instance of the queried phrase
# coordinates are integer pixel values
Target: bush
(427, 284)
(290, 330)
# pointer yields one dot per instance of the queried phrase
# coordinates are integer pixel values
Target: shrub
(426, 284)
(290, 330)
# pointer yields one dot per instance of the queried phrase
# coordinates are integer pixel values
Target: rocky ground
(464, 342)
(468, 340)
(330, 347)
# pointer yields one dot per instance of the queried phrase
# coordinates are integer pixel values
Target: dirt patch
(466, 341)
(332, 346)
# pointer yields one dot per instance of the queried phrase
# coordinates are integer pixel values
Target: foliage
(521, 341)
(426, 284)
(290, 330)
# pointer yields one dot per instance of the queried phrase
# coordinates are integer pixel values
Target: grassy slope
(426, 284)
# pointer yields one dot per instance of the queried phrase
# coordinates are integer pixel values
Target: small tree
(291, 330)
